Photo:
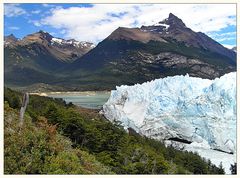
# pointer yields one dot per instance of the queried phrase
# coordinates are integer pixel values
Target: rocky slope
(174, 28)
(63, 50)
(126, 56)
(10, 40)
(36, 57)
(234, 49)
(168, 48)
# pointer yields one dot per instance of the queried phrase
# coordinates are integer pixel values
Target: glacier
(200, 112)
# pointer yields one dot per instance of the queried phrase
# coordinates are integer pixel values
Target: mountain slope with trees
(60, 138)
(136, 55)
(127, 56)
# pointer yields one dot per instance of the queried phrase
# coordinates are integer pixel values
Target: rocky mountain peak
(166, 26)
(12, 37)
(10, 40)
(44, 35)
(42, 42)
(234, 49)
(40, 37)
(173, 21)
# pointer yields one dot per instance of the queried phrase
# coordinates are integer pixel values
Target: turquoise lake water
(91, 100)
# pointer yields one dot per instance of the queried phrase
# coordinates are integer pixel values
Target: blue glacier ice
(197, 110)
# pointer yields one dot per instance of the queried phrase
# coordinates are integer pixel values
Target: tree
(221, 169)
(233, 168)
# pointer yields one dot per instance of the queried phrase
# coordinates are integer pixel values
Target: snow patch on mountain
(164, 25)
(78, 44)
(57, 40)
(86, 44)
(198, 111)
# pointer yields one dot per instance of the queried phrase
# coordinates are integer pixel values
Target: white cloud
(227, 36)
(62, 32)
(13, 10)
(35, 23)
(47, 5)
(13, 28)
(225, 39)
(228, 46)
(223, 34)
(96, 23)
(35, 11)
(52, 33)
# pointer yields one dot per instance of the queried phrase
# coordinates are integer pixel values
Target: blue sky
(21, 23)
(94, 22)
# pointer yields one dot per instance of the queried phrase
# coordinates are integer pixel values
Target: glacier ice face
(187, 108)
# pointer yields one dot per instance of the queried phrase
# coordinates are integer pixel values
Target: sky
(94, 22)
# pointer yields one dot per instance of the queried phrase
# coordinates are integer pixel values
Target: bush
(39, 149)
(38, 145)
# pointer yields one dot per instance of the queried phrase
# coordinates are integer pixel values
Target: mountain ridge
(135, 55)
(36, 57)
(70, 49)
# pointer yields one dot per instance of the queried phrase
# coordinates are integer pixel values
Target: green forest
(61, 138)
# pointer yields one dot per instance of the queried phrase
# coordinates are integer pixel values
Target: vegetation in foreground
(59, 138)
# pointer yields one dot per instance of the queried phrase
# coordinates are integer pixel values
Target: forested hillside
(60, 138)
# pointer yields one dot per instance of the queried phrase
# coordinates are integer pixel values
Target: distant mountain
(10, 40)
(174, 28)
(136, 55)
(126, 56)
(234, 49)
(63, 50)
(37, 56)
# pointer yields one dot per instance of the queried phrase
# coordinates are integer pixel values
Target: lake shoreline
(68, 92)
(85, 99)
